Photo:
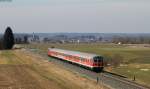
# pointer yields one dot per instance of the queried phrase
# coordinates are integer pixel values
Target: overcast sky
(96, 16)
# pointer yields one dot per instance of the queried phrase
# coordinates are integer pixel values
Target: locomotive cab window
(98, 59)
(95, 60)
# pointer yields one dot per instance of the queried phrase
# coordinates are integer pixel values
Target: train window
(99, 59)
(88, 60)
(81, 59)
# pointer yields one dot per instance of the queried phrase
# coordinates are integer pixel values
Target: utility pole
(33, 37)
(97, 80)
(134, 78)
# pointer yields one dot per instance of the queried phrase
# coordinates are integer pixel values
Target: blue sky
(102, 16)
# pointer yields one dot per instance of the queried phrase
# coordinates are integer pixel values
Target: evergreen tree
(1, 45)
(8, 39)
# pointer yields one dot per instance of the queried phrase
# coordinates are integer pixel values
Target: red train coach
(91, 61)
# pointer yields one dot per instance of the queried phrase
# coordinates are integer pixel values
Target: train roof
(75, 53)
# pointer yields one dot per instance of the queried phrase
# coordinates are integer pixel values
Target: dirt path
(20, 69)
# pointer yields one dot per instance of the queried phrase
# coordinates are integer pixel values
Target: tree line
(22, 40)
(132, 40)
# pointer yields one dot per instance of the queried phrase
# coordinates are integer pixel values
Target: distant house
(119, 43)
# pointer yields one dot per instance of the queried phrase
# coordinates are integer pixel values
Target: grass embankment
(20, 69)
(135, 59)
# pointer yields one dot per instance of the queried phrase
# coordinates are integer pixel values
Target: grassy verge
(139, 71)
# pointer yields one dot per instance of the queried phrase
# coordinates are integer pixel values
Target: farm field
(21, 69)
(134, 60)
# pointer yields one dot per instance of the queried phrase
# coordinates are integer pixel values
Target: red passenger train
(90, 61)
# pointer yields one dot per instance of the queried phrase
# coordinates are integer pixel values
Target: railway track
(114, 81)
